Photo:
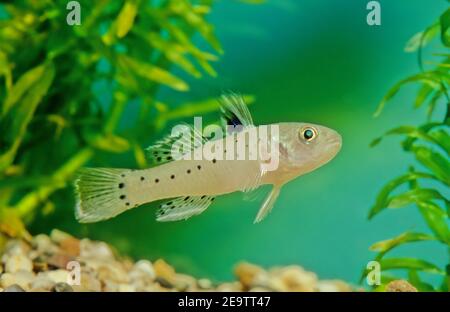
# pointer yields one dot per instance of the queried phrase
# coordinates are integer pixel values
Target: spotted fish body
(192, 185)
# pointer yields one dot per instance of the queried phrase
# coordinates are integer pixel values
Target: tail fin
(98, 193)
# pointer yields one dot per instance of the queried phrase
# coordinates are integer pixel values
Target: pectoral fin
(268, 204)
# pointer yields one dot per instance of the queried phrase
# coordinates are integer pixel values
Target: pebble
(333, 286)
(184, 282)
(41, 266)
(56, 276)
(95, 250)
(62, 287)
(204, 283)
(164, 270)
(6, 280)
(259, 289)
(163, 282)
(229, 287)
(59, 236)
(18, 262)
(126, 288)
(295, 278)
(144, 267)
(14, 288)
(112, 271)
(400, 286)
(59, 260)
(248, 273)
(71, 247)
(42, 283)
(90, 283)
(43, 244)
(16, 247)
(24, 279)
(142, 274)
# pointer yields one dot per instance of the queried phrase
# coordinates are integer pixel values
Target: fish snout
(334, 142)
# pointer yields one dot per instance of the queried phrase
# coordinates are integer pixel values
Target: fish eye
(308, 134)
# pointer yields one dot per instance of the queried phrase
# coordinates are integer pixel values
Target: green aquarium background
(306, 61)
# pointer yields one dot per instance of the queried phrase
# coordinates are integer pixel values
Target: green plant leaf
(435, 162)
(414, 279)
(173, 51)
(414, 196)
(423, 132)
(185, 9)
(383, 197)
(439, 137)
(432, 103)
(152, 73)
(126, 17)
(31, 88)
(5, 70)
(139, 156)
(199, 108)
(429, 78)
(411, 264)
(436, 220)
(442, 138)
(23, 84)
(424, 92)
(422, 37)
(445, 26)
(108, 142)
(404, 238)
(410, 131)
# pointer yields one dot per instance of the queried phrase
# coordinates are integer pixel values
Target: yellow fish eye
(308, 134)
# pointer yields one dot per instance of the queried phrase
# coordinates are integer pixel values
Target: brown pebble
(39, 265)
(71, 246)
(400, 286)
(59, 260)
(164, 270)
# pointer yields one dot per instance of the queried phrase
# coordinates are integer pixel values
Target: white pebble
(18, 262)
(56, 276)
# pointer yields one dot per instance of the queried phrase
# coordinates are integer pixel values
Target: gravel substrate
(62, 263)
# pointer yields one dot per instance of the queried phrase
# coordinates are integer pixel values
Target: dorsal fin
(235, 112)
(161, 152)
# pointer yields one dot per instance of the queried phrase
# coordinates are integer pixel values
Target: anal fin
(183, 208)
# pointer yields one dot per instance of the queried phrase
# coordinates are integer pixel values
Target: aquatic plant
(428, 180)
(53, 119)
